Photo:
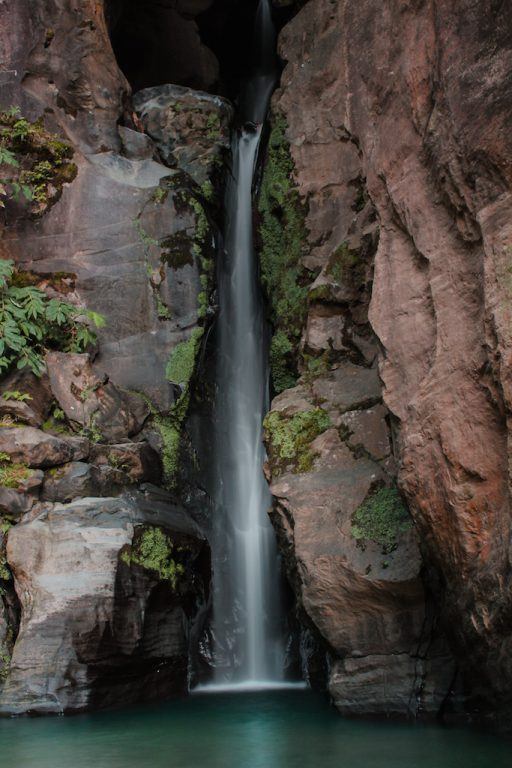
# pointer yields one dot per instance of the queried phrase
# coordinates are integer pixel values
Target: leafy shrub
(31, 323)
(381, 518)
(34, 163)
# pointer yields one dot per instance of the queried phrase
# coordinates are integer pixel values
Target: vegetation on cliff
(34, 163)
(31, 322)
(283, 237)
(154, 551)
(381, 518)
(289, 438)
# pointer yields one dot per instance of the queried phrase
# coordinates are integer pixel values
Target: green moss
(180, 366)
(289, 438)
(315, 366)
(207, 190)
(283, 238)
(162, 309)
(154, 551)
(382, 518)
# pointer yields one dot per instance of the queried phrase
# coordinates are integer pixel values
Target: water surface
(278, 729)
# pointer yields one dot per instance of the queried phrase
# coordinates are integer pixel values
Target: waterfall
(246, 603)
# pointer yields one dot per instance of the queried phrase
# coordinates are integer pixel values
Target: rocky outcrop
(191, 130)
(129, 235)
(412, 123)
(108, 589)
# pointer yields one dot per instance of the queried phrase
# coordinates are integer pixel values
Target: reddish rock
(422, 118)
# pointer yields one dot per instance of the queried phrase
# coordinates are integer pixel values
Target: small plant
(58, 414)
(382, 518)
(163, 311)
(154, 551)
(31, 323)
(213, 127)
(20, 397)
(34, 163)
(159, 195)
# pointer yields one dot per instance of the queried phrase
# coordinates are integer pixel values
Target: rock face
(107, 589)
(133, 239)
(417, 124)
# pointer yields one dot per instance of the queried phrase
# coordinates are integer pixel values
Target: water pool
(277, 729)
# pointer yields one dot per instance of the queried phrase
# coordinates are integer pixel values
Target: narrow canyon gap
(247, 614)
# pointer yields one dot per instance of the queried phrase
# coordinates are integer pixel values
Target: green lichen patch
(34, 163)
(283, 240)
(289, 438)
(155, 551)
(382, 518)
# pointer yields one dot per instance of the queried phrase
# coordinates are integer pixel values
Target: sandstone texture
(405, 107)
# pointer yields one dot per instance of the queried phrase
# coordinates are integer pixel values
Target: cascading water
(246, 606)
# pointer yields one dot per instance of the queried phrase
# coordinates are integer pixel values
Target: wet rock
(93, 401)
(97, 627)
(190, 128)
(348, 386)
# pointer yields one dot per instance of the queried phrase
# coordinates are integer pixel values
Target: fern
(31, 323)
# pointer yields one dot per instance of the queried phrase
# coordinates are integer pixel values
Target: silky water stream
(247, 613)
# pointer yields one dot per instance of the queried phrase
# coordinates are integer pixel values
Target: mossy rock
(289, 438)
(153, 550)
(382, 518)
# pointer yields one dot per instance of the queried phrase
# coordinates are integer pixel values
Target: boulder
(35, 406)
(69, 482)
(108, 590)
(35, 448)
(190, 128)
(93, 401)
